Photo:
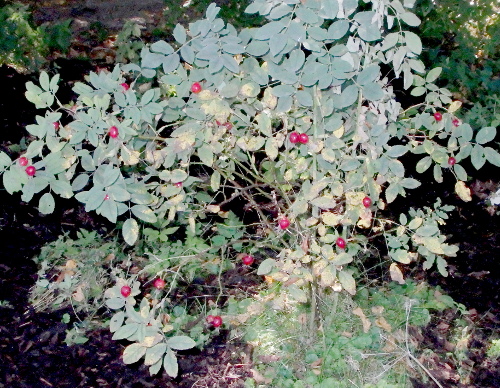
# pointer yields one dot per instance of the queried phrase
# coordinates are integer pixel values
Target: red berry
(341, 243)
(217, 321)
(106, 197)
(228, 126)
(159, 284)
(218, 123)
(294, 137)
(56, 125)
(125, 86)
(196, 87)
(303, 138)
(451, 160)
(438, 116)
(284, 223)
(113, 132)
(30, 170)
(126, 291)
(455, 122)
(23, 161)
(210, 319)
(178, 184)
(367, 201)
(248, 260)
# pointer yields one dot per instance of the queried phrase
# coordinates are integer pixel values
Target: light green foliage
(361, 341)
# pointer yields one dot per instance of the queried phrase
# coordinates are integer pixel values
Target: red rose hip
(248, 260)
(438, 116)
(159, 284)
(367, 202)
(23, 161)
(196, 87)
(56, 125)
(303, 138)
(178, 184)
(455, 122)
(341, 243)
(126, 291)
(451, 161)
(210, 319)
(217, 321)
(125, 86)
(113, 132)
(228, 126)
(294, 137)
(30, 170)
(284, 223)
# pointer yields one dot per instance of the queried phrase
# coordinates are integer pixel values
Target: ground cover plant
(295, 122)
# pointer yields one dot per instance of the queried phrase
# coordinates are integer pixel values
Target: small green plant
(494, 349)
(25, 46)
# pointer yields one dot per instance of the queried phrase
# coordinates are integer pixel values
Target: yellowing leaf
(454, 106)
(339, 132)
(463, 191)
(331, 219)
(396, 274)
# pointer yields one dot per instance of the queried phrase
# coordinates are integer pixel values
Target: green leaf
(486, 134)
(423, 164)
(413, 42)
(298, 294)
(397, 151)
(215, 181)
(460, 171)
(391, 192)
(329, 9)
(179, 34)
(338, 29)
(492, 156)
(411, 19)
(115, 303)
(428, 230)
(348, 97)
(347, 281)
(477, 157)
(130, 231)
(342, 259)
(266, 267)
(206, 155)
(368, 74)
(133, 353)
(126, 331)
(181, 342)
(116, 321)
(409, 183)
(373, 91)
(46, 204)
(62, 188)
(11, 181)
(433, 74)
(170, 363)
(144, 213)
(155, 353)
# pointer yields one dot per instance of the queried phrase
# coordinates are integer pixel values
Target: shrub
(205, 127)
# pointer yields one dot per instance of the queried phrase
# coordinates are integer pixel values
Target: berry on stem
(367, 202)
(56, 125)
(126, 291)
(196, 87)
(210, 319)
(113, 132)
(178, 184)
(23, 161)
(125, 86)
(341, 243)
(303, 138)
(106, 197)
(228, 126)
(217, 321)
(284, 223)
(438, 116)
(455, 122)
(159, 284)
(451, 161)
(248, 260)
(30, 170)
(294, 137)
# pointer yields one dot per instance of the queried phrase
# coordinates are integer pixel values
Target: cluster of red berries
(438, 117)
(298, 138)
(23, 162)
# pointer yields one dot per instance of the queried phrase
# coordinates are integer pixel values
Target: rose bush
(297, 118)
